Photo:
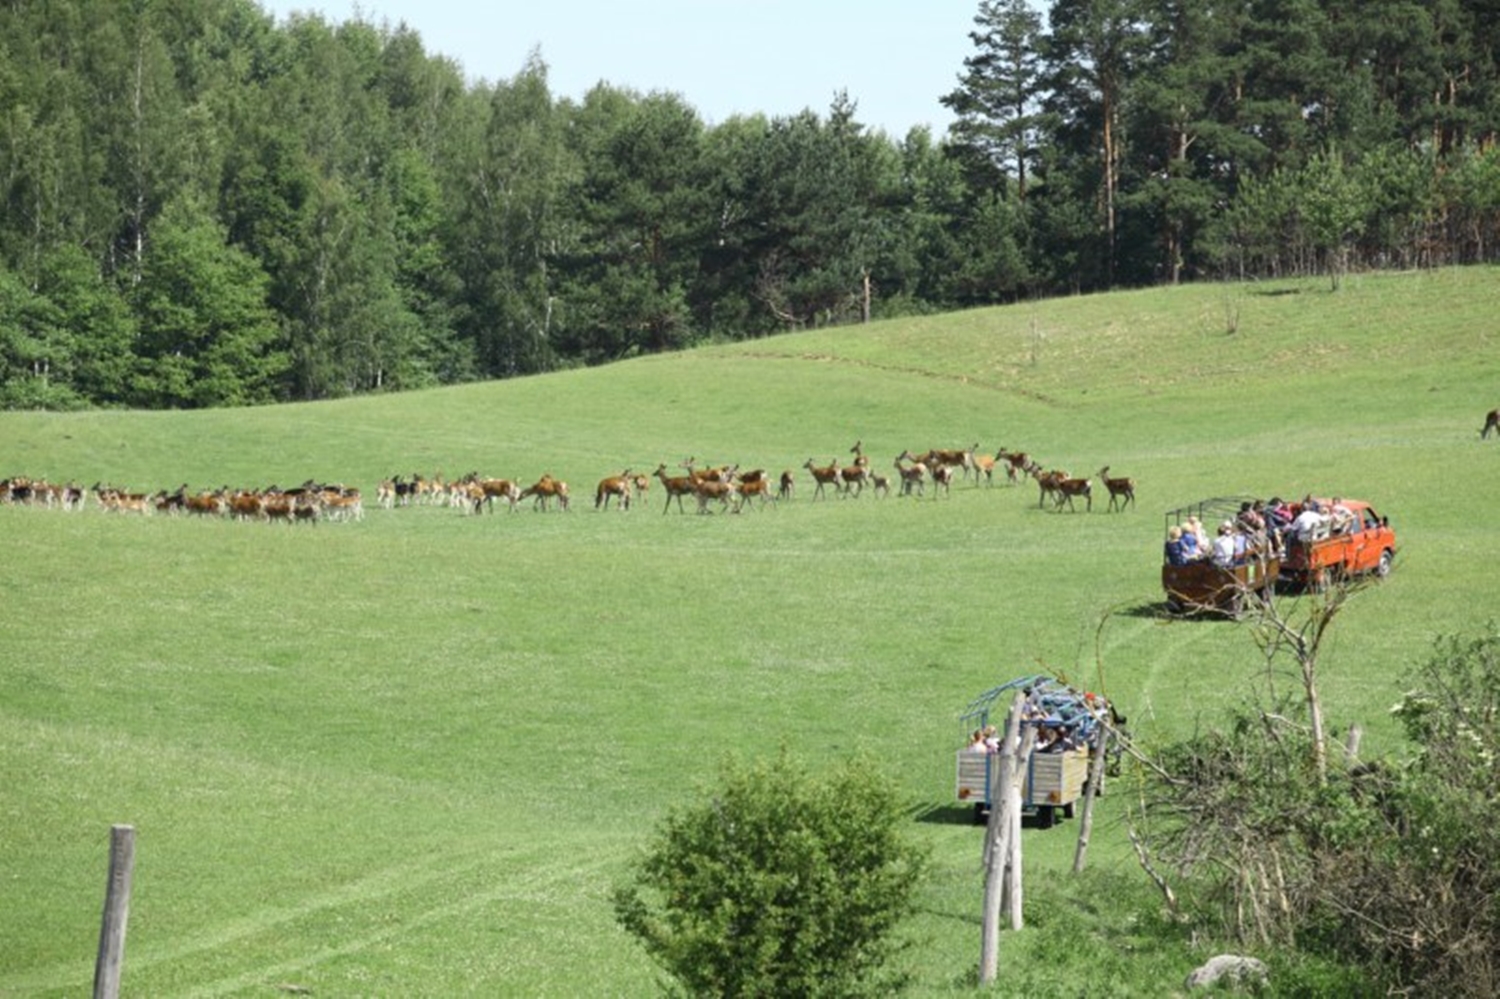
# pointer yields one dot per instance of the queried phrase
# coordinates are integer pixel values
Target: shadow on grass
(945, 815)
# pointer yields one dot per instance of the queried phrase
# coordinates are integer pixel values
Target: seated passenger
(1340, 517)
(1176, 547)
(976, 743)
(1224, 546)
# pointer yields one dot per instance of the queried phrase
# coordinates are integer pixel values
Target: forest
(203, 206)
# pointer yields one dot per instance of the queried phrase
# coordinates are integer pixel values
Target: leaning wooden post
(997, 844)
(1095, 785)
(116, 910)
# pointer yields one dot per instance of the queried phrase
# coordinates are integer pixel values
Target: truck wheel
(1383, 567)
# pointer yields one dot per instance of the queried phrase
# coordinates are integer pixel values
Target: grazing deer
(1491, 422)
(824, 475)
(546, 489)
(1017, 464)
(676, 486)
(1120, 490)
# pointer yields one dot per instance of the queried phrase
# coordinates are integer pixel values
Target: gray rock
(1228, 967)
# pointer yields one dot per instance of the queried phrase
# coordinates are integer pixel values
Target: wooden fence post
(116, 911)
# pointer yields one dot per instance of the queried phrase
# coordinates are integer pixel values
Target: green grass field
(410, 756)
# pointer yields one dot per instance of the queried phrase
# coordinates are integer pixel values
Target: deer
(824, 475)
(709, 490)
(486, 491)
(1491, 422)
(1017, 463)
(881, 484)
(1068, 488)
(546, 489)
(913, 476)
(614, 486)
(676, 486)
(942, 478)
(985, 465)
(786, 485)
(753, 488)
(1120, 490)
(1048, 483)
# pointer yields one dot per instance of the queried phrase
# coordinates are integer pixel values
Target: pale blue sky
(894, 57)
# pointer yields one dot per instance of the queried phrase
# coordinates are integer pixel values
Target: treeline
(203, 207)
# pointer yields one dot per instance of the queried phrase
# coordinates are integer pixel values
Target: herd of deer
(728, 488)
(722, 488)
(307, 503)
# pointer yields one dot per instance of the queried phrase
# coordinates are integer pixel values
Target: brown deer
(913, 476)
(786, 486)
(1491, 422)
(1120, 490)
(546, 489)
(824, 476)
(676, 486)
(1048, 483)
(614, 486)
(1068, 488)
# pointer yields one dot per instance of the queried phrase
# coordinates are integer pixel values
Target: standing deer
(676, 487)
(913, 476)
(824, 476)
(1121, 490)
(1491, 422)
(617, 486)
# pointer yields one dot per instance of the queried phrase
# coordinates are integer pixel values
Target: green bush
(781, 883)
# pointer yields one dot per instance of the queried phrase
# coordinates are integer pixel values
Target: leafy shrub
(781, 883)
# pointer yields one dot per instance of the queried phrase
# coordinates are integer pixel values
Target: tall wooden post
(997, 844)
(108, 967)
(1012, 889)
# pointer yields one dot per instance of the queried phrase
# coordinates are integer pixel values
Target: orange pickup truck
(1327, 550)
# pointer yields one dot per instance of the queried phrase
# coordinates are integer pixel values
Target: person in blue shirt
(1177, 547)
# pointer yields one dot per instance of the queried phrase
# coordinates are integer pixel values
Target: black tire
(1046, 817)
(1383, 567)
(1067, 810)
(980, 816)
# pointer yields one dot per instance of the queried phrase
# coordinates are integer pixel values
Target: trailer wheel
(1067, 810)
(979, 817)
(1045, 817)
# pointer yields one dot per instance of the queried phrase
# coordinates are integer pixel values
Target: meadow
(410, 756)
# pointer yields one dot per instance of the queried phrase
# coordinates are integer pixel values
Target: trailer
(1055, 778)
(1201, 586)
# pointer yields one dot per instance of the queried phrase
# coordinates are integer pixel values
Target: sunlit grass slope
(409, 756)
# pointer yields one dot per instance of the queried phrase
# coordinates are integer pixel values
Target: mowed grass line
(407, 756)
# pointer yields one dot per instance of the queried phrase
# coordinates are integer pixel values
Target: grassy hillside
(409, 756)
